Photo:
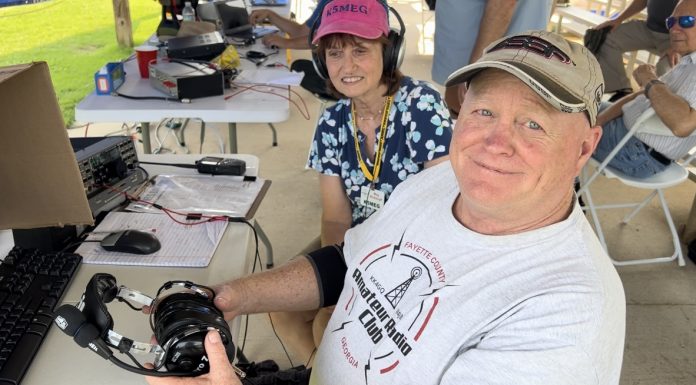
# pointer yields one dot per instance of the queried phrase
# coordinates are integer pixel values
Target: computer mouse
(131, 241)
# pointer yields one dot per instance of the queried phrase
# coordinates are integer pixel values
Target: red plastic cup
(145, 54)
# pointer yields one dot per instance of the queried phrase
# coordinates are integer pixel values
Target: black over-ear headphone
(393, 52)
(179, 321)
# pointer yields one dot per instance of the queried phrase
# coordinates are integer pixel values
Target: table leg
(232, 127)
(145, 135)
(202, 138)
(264, 238)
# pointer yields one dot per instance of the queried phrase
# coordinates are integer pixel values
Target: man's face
(512, 153)
(683, 40)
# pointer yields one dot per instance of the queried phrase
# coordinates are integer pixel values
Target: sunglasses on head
(684, 21)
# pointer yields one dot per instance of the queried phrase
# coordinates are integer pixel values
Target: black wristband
(649, 85)
(330, 269)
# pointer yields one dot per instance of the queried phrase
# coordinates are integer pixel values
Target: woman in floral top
(401, 125)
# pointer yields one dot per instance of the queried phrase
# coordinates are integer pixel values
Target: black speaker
(393, 54)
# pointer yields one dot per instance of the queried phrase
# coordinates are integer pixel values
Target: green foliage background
(75, 38)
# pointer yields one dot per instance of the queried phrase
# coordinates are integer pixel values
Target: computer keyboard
(31, 284)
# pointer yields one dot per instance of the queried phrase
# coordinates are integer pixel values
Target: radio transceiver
(221, 166)
(186, 79)
(109, 167)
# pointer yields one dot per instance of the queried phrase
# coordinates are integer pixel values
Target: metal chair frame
(673, 175)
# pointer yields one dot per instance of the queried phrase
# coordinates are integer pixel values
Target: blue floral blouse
(419, 130)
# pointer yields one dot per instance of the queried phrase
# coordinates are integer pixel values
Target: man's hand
(221, 372)
(259, 16)
(227, 300)
(613, 23)
(275, 40)
(673, 57)
(644, 73)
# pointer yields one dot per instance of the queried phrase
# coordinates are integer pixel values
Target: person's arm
(673, 110)
(292, 286)
(494, 23)
(286, 25)
(297, 33)
(282, 42)
(614, 111)
(336, 215)
(632, 9)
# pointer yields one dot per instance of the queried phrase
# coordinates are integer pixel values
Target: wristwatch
(649, 85)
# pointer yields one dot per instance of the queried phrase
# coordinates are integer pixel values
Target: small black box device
(221, 166)
(201, 47)
(186, 80)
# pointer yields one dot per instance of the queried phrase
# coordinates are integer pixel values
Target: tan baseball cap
(564, 73)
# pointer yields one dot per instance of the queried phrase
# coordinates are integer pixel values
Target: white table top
(246, 107)
(60, 361)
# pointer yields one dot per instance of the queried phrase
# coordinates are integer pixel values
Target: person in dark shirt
(634, 35)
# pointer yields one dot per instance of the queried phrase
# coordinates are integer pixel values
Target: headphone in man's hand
(393, 53)
(180, 322)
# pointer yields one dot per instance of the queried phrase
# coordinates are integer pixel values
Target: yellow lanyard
(371, 176)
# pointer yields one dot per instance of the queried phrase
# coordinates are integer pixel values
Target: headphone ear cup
(394, 52)
(320, 65)
(174, 317)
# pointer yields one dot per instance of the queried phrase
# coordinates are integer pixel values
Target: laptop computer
(269, 3)
(230, 21)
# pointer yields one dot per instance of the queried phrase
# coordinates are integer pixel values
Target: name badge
(371, 198)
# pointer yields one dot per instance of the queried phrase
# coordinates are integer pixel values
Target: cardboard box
(40, 183)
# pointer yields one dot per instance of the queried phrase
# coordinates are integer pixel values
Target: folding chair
(674, 174)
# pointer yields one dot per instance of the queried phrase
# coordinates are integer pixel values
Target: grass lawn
(75, 38)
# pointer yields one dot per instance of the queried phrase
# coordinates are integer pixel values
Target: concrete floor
(661, 298)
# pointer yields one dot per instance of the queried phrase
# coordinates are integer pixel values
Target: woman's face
(355, 68)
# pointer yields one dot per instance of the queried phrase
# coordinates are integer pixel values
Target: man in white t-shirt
(481, 270)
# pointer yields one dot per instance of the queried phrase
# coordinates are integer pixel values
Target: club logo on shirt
(394, 295)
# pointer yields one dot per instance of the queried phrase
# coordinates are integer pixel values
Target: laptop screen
(229, 20)
(270, 3)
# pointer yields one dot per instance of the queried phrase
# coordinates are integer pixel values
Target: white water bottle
(188, 13)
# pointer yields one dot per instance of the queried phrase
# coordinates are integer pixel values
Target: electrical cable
(304, 111)
(160, 142)
(182, 165)
(209, 218)
(270, 319)
(73, 244)
(151, 98)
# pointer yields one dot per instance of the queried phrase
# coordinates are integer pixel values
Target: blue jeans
(633, 159)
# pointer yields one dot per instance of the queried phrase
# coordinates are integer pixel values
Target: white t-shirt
(428, 301)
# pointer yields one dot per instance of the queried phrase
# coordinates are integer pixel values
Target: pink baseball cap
(364, 18)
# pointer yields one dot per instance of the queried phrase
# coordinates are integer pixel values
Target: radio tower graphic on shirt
(395, 295)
